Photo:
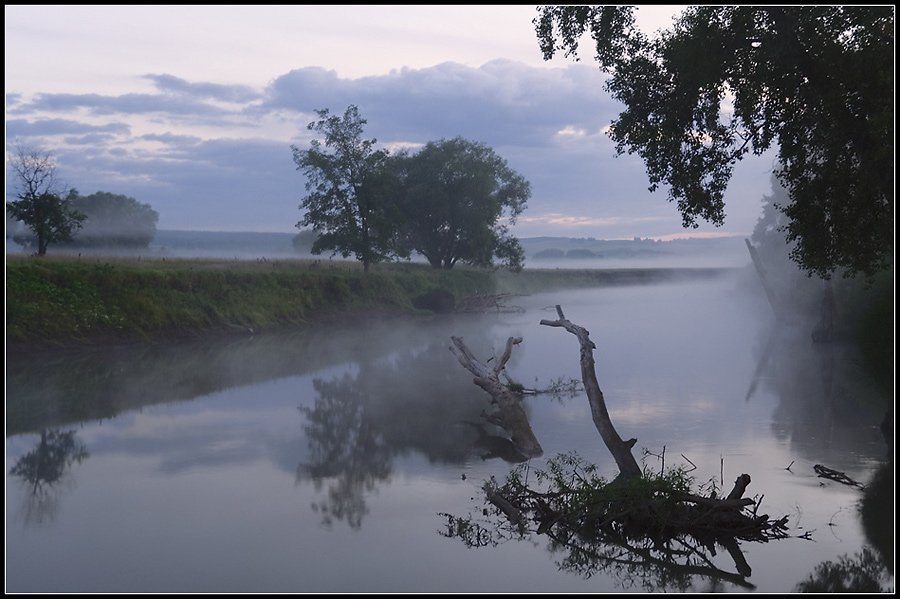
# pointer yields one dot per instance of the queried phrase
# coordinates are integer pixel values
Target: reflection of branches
(43, 468)
(345, 446)
(651, 529)
(863, 573)
(358, 423)
(45, 465)
(821, 395)
(558, 388)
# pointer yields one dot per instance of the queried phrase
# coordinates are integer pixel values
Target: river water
(324, 461)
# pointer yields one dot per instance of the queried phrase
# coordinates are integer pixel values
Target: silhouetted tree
(348, 185)
(459, 199)
(815, 81)
(40, 204)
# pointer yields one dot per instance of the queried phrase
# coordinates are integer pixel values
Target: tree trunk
(760, 270)
(620, 450)
(825, 327)
(512, 417)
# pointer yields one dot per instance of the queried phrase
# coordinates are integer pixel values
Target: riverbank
(62, 301)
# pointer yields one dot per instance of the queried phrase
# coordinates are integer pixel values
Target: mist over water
(318, 461)
(565, 253)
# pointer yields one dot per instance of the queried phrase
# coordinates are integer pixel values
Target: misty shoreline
(62, 302)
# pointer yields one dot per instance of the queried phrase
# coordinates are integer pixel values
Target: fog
(319, 448)
(540, 252)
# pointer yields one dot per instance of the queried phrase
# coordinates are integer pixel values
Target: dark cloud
(97, 104)
(47, 127)
(172, 139)
(217, 184)
(213, 91)
(92, 139)
(500, 103)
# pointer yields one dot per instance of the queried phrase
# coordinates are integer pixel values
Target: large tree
(459, 199)
(349, 186)
(114, 220)
(40, 202)
(816, 82)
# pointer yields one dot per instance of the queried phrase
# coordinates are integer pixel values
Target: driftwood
(510, 414)
(512, 513)
(620, 450)
(480, 303)
(836, 476)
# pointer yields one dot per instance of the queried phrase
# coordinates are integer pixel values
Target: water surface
(321, 461)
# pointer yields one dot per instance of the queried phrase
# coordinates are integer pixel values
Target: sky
(193, 109)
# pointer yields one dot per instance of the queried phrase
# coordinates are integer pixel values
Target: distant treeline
(110, 221)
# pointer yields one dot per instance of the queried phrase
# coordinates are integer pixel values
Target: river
(326, 460)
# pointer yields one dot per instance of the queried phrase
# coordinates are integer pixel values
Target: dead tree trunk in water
(512, 417)
(770, 293)
(825, 327)
(620, 450)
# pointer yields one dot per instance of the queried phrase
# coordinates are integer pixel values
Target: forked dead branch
(655, 521)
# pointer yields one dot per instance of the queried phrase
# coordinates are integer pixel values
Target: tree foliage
(348, 189)
(40, 204)
(724, 81)
(452, 201)
(114, 220)
(459, 199)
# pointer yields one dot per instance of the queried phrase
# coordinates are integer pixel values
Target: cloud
(500, 103)
(96, 104)
(213, 156)
(572, 220)
(172, 139)
(48, 127)
(221, 184)
(213, 91)
(91, 139)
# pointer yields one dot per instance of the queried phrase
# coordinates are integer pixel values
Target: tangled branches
(651, 526)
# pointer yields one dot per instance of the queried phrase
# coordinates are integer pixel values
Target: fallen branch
(651, 522)
(836, 476)
(511, 416)
(620, 450)
(480, 303)
(512, 513)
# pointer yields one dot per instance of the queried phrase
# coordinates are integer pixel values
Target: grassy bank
(66, 300)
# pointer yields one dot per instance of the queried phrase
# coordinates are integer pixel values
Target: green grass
(61, 299)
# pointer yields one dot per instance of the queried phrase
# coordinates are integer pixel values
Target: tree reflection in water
(416, 400)
(870, 570)
(862, 573)
(346, 447)
(44, 468)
